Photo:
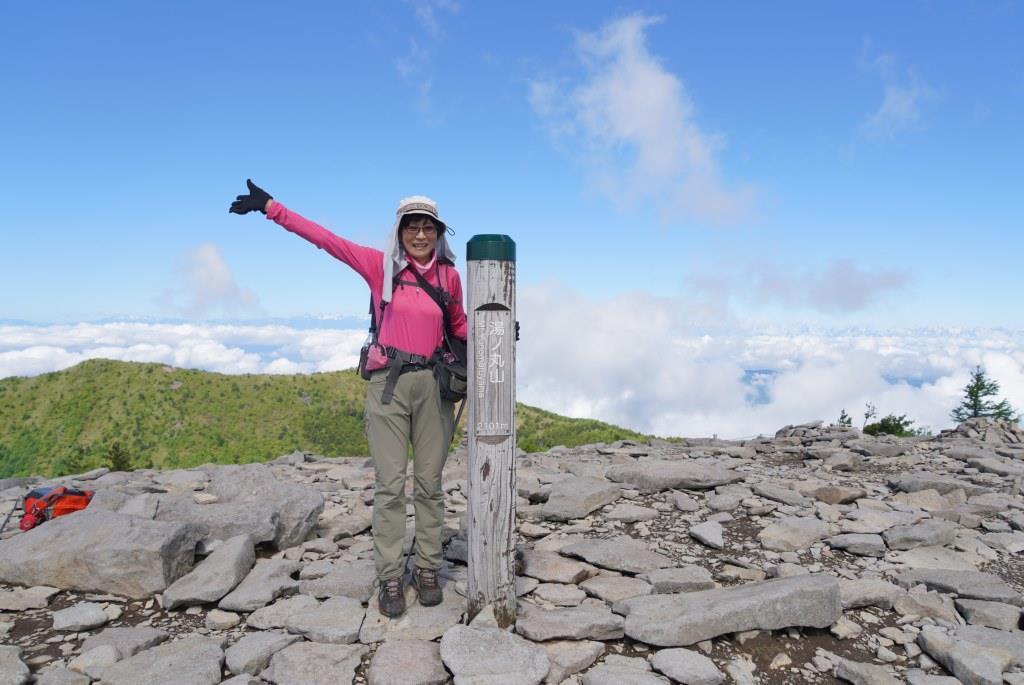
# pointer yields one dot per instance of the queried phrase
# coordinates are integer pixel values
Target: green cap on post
(491, 246)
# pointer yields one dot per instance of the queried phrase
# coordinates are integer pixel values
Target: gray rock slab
(314, 663)
(687, 667)
(81, 616)
(928, 500)
(268, 580)
(844, 461)
(971, 664)
(615, 588)
(559, 594)
(243, 679)
(336, 621)
(276, 615)
(360, 519)
(345, 579)
(864, 592)
(417, 623)
(793, 533)
(966, 584)
(916, 676)
(860, 673)
(492, 656)
(684, 502)
(656, 476)
(22, 598)
(13, 670)
(1000, 467)
(298, 506)
(992, 614)
(215, 576)
(60, 676)
(189, 661)
(100, 551)
(94, 661)
(925, 534)
(690, 578)
(926, 605)
(125, 641)
(838, 494)
(567, 657)
(680, 620)
(860, 544)
(253, 651)
(709, 533)
(631, 513)
(619, 675)
(912, 482)
(574, 498)
(936, 558)
(780, 494)
(220, 520)
(1009, 642)
(620, 554)
(870, 521)
(407, 662)
(724, 501)
(550, 567)
(1010, 543)
(575, 623)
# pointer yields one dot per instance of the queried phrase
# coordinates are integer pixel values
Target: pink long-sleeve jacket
(412, 320)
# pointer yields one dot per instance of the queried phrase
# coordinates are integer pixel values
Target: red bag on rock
(43, 504)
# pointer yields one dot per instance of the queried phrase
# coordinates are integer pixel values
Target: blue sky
(743, 168)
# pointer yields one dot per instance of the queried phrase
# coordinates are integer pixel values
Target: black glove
(256, 199)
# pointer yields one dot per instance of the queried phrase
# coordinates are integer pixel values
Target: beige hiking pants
(416, 415)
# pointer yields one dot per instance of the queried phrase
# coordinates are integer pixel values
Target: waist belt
(398, 363)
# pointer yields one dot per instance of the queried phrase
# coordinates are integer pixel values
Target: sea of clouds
(635, 360)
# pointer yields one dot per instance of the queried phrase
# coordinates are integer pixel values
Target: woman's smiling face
(419, 235)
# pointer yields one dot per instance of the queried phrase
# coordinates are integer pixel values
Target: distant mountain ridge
(167, 417)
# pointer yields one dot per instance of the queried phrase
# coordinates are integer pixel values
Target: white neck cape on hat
(394, 254)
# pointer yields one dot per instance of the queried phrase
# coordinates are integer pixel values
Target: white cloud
(427, 13)
(636, 360)
(206, 286)
(637, 126)
(841, 286)
(415, 67)
(904, 95)
(30, 350)
(640, 362)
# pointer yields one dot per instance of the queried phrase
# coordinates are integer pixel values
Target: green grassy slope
(164, 417)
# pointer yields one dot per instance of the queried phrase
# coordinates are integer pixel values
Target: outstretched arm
(366, 261)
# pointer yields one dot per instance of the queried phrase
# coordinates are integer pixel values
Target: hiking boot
(391, 598)
(425, 582)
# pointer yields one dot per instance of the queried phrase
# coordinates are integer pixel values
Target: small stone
(709, 533)
(845, 628)
(407, 662)
(218, 619)
(83, 616)
(560, 594)
(687, 667)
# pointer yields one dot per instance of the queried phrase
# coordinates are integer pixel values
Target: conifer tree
(118, 458)
(976, 404)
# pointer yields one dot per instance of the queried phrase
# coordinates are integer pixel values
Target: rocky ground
(821, 555)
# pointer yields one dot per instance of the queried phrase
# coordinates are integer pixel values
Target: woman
(403, 402)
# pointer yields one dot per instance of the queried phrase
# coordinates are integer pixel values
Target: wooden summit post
(491, 422)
